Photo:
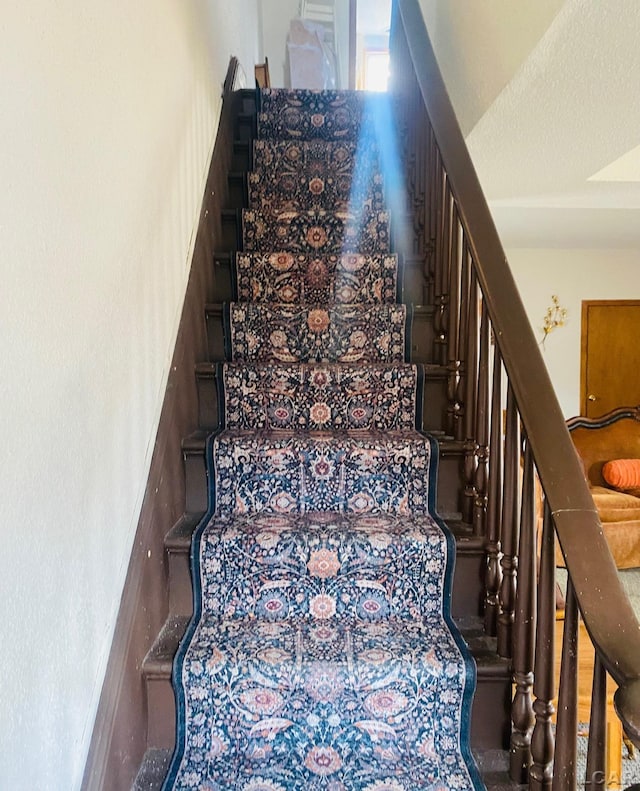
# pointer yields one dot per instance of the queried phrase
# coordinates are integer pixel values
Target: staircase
(467, 333)
(304, 288)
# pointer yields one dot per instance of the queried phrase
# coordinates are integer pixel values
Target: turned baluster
(411, 171)
(438, 197)
(564, 764)
(433, 217)
(595, 777)
(470, 459)
(541, 771)
(417, 172)
(524, 631)
(493, 570)
(453, 313)
(420, 208)
(509, 560)
(442, 260)
(465, 280)
(446, 261)
(426, 243)
(482, 429)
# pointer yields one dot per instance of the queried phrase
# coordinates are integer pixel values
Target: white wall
(573, 276)
(108, 120)
(275, 18)
(481, 45)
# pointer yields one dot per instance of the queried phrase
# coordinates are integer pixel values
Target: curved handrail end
(626, 702)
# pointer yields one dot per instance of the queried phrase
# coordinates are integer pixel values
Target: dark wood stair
(491, 707)
(492, 698)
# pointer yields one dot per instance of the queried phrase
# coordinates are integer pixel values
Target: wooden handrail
(606, 610)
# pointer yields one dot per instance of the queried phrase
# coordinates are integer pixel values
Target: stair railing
(482, 334)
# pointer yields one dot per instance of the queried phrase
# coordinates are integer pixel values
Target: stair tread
(228, 214)
(208, 369)
(307, 174)
(180, 534)
(196, 441)
(153, 770)
(338, 114)
(314, 231)
(493, 765)
(179, 537)
(416, 309)
(158, 663)
(309, 278)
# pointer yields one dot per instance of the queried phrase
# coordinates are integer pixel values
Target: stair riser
(237, 191)
(215, 333)
(434, 401)
(413, 287)
(449, 493)
(180, 584)
(245, 128)
(223, 280)
(245, 115)
(231, 230)
(161, 708)
(248, 101)
(434, 409)
(491, 714)
(195, 473)
(315, 232)
(467, 594)
(414, 283)
(242, 158)
(232, 227)
(357, 334)
(421, 342)
(467, 584)
(208, 417)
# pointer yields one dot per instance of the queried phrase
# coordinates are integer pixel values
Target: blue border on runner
(185, 642)
(470, 665)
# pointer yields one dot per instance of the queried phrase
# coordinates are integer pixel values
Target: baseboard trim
(119, 734)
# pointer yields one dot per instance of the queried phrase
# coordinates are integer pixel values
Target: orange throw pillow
(622, 474)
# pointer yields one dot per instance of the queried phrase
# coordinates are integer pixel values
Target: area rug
(321, 653)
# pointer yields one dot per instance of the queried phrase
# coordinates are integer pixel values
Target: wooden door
(610, 358)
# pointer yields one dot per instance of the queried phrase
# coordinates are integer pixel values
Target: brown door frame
(586, 304)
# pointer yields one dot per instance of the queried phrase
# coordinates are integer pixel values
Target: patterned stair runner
(286, 278)
(312, 397)
(321, 653)
(316, 231)
(293, 176)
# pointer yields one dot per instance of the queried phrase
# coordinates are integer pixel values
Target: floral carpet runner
(321, 653)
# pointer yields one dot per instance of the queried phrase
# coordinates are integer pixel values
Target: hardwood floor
(585, 679)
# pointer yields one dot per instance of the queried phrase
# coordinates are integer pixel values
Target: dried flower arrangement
(556, 316)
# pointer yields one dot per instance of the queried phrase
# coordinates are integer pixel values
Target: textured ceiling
(553, 124)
